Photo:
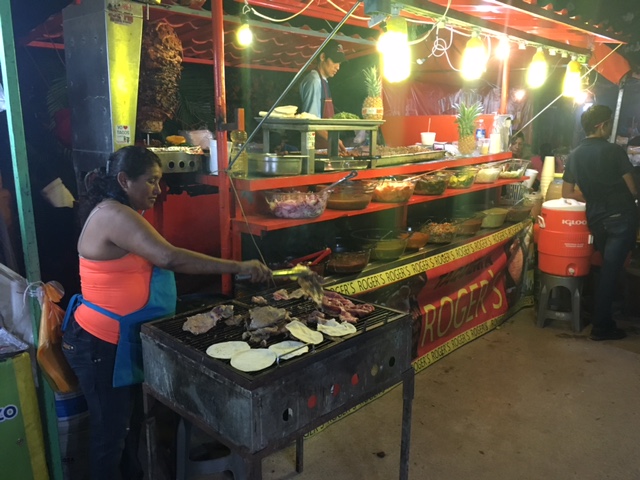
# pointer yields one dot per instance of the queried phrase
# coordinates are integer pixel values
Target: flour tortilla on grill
(288, 349)
(226, 350)
(336, 329)
(253, 360)
(304, 333)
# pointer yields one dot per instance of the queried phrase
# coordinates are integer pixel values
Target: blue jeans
(614, 238)
(115, 430)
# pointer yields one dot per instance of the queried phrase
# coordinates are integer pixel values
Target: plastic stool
(550, 282)
(188, 468)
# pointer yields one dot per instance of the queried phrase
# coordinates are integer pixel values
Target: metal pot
(275, 165)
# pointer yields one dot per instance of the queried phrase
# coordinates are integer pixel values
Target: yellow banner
(377, 280)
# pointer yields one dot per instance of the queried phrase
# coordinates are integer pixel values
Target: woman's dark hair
(134, 161)
(516, 137)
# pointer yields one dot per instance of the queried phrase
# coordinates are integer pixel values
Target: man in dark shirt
(603, 174)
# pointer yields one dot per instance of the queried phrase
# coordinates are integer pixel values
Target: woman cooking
(126, 272)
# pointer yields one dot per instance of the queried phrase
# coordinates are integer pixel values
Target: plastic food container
(462, 178)
(488, 174)
(433, 183)
(416, 240)
(385, 244)
(390, 190)
(534, 200)
(440, 232)
(344, 259)
(351, 196)
(469, 223)
(295, 204)
(494, 218)
(514, 168)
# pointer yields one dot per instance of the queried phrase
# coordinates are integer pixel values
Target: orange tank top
(121, 286)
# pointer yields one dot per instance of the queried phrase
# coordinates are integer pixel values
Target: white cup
(427, 138)
(213, 155)
(495, 143)
(58, 194)
(532, 174)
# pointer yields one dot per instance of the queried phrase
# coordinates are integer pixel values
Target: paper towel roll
(495, 143)
(546, 176)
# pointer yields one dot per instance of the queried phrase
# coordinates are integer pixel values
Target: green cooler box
(22, 448)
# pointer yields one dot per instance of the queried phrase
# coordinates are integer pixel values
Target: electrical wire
(278, 20)
(344, 11)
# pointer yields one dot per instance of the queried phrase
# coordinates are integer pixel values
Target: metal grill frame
(255, 415)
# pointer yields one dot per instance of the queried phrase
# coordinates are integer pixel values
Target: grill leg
(253, 467)
(408, 384)
(299, 454)
(149, 426)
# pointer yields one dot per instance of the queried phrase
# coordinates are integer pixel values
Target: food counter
(453, 292)
(494, 261)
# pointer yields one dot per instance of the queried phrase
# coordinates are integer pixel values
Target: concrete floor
(518, 403)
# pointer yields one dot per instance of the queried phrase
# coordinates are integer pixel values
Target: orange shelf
(262, 183)
(205, 179)
(259, 224)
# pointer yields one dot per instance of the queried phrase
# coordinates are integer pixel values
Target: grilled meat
(200, 323)
(262, 317)
(160, 71)
(336, 305)
(203, 322)
(259, 300)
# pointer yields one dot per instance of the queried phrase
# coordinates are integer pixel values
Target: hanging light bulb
(537, 71)
(581, 97)
(572, 85)
(394, 47)
(474, 59)
(504, 49)
(244, 35)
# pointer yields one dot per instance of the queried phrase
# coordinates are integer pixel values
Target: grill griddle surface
(299, 308)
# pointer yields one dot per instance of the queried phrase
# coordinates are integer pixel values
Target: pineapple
(465, 119)
(372, 108)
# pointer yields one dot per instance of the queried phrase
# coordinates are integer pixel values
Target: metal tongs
(335, 184)
(293, 273)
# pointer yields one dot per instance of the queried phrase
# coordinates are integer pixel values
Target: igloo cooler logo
(8, 412)
(573, 223)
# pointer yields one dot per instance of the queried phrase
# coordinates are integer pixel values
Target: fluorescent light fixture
(572, 84)
(503, 49)
(537, 71)
(474, 59)
(244, 35)
(394, 47)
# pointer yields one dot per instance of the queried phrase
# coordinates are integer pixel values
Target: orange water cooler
(565, 244)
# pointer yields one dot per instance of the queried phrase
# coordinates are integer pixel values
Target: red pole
(217, 36)
(504, 97)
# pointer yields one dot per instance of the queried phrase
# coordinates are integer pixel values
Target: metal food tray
(410, 158)
(338, 164)
(320, 122)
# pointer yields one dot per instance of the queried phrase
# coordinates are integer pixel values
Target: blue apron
(127, 369)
